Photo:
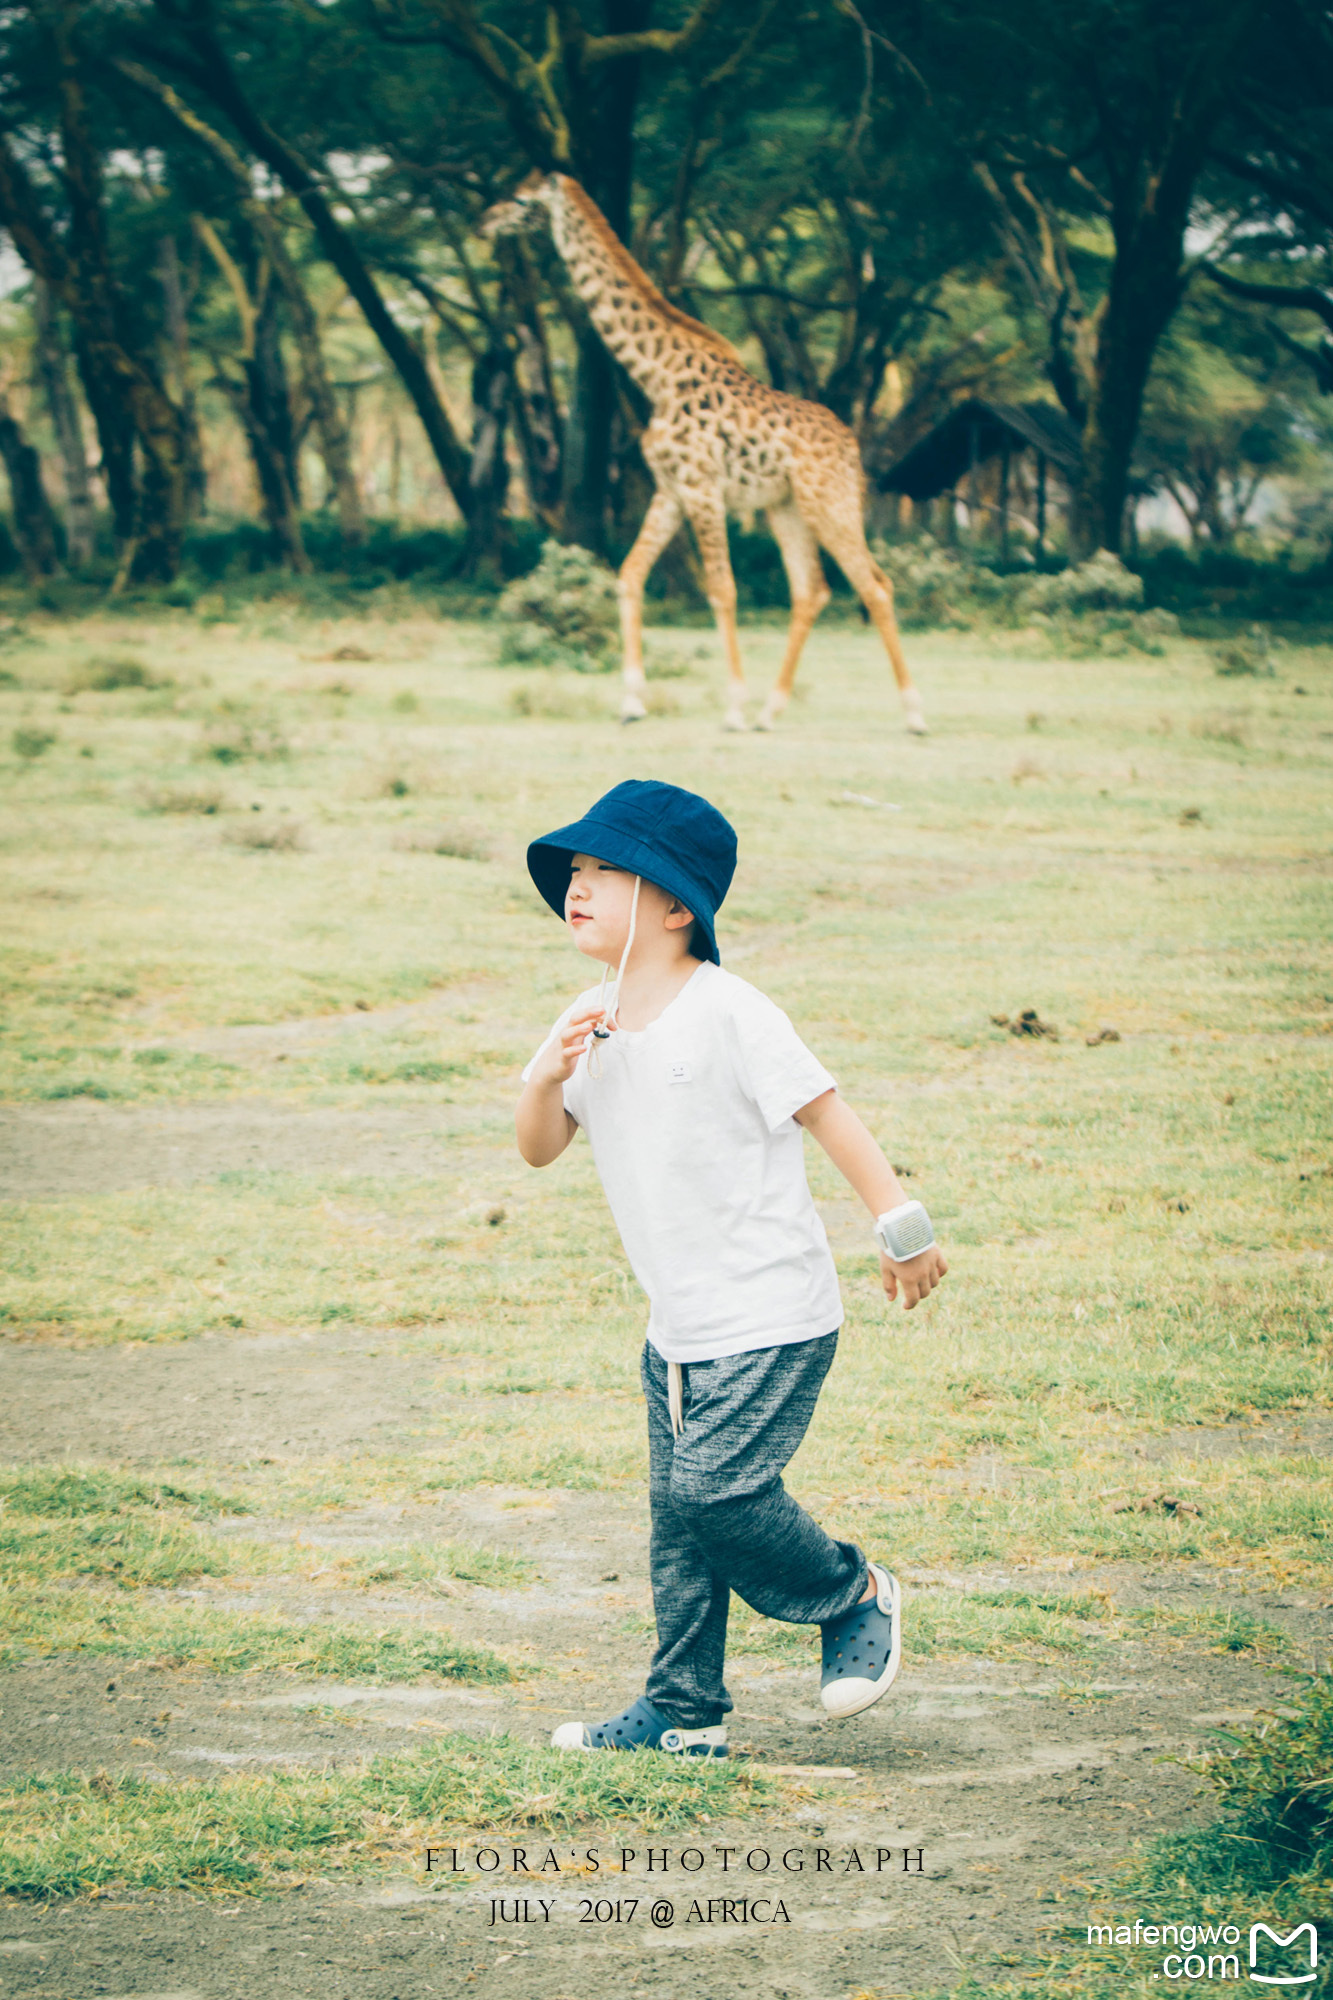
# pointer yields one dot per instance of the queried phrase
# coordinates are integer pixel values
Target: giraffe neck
(650, 337)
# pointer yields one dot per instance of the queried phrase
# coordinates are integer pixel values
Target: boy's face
(597, 909)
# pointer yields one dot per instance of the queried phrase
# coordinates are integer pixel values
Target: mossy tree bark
(136, 419)
(488, 474)
(254, 382)
(335, 442)
(182, 388)
(602, 104)
(125, 375)
(331, 429)
(53, 369)
(211, 72)
(36, 529)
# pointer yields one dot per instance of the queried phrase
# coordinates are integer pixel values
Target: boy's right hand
(561, 1059)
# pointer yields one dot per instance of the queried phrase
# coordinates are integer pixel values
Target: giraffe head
(524, 208)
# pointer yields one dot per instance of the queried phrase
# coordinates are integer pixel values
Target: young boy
(693, 1089)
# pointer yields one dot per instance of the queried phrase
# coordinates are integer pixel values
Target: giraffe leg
(846, 543)
(708, 518)
(659, 525)
(799, 547)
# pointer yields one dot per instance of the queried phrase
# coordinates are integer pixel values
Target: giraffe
(719, 441)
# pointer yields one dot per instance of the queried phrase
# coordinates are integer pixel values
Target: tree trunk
(588, 445)
(1152, 177)
(536, 410)
(52, 364)
(215, 75)
(276, 499)
(260, 397)
(45, 253)
(335, 445)
(126, 401)
(173, 299)
(114, 423)
(330, 425)
(1144, 293)
(602, 109)
(488, 476)
(269, 391)
(36, 530)
(124, 375)
(160, 520)
(271, 440)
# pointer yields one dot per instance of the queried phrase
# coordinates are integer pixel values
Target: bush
(1272, 1843)
(1099, 634)
(1250, 652)
(30, 743)
(1206, 585)
(1276, 1786)
(563, 614)
(105, 674)
(1100, 584)
(234, 733)
(1094, 608)
(268, 836)
(1090, 609)
(184, 799)
(556, 701)
(932, 586)
(457, 839)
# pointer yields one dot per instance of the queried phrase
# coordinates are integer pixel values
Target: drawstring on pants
(612, 1009)
(676, 1397)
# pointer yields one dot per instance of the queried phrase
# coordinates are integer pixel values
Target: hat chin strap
(610, 1010)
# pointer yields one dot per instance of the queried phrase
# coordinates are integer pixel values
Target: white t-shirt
(692, 1131)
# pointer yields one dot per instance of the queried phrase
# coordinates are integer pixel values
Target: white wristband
(904, 1232)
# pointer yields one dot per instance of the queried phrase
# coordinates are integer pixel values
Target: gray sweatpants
(723, 1520)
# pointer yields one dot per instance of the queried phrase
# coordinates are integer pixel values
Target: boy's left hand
(916, 1279)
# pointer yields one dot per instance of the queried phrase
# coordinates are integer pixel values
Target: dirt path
(50, 1151)
(1013, 1786)
(1014, 1781)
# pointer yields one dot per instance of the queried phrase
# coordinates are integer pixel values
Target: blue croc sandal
(641, 1727)
(863, 1649)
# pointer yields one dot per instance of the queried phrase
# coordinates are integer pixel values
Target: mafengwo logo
(1304, 1939)
(1212, 1951)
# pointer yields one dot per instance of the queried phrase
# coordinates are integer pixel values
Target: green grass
(1264, 1853)
(65, 1833)
(95, 1528)
(1009, 1624)
(90, 1522)
(427, 1563)
(1273, 1832)
(38, 1622)
(1137, 1230)
(94, 1490)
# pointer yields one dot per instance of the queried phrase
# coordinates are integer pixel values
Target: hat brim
(549, 859)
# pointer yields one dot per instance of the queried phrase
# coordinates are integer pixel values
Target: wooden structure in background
(975, 432)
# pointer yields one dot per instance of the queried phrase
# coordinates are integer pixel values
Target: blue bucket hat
(669, 836)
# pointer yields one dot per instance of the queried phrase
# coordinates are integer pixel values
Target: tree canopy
(239, 219)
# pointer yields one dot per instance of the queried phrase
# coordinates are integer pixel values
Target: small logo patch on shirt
(679, 1073)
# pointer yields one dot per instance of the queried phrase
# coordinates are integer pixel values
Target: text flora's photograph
(666, 711)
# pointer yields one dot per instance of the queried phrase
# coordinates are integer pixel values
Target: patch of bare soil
(82, 1147)
(1013, 1789)
(1016, 1783)
(274, 1397)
